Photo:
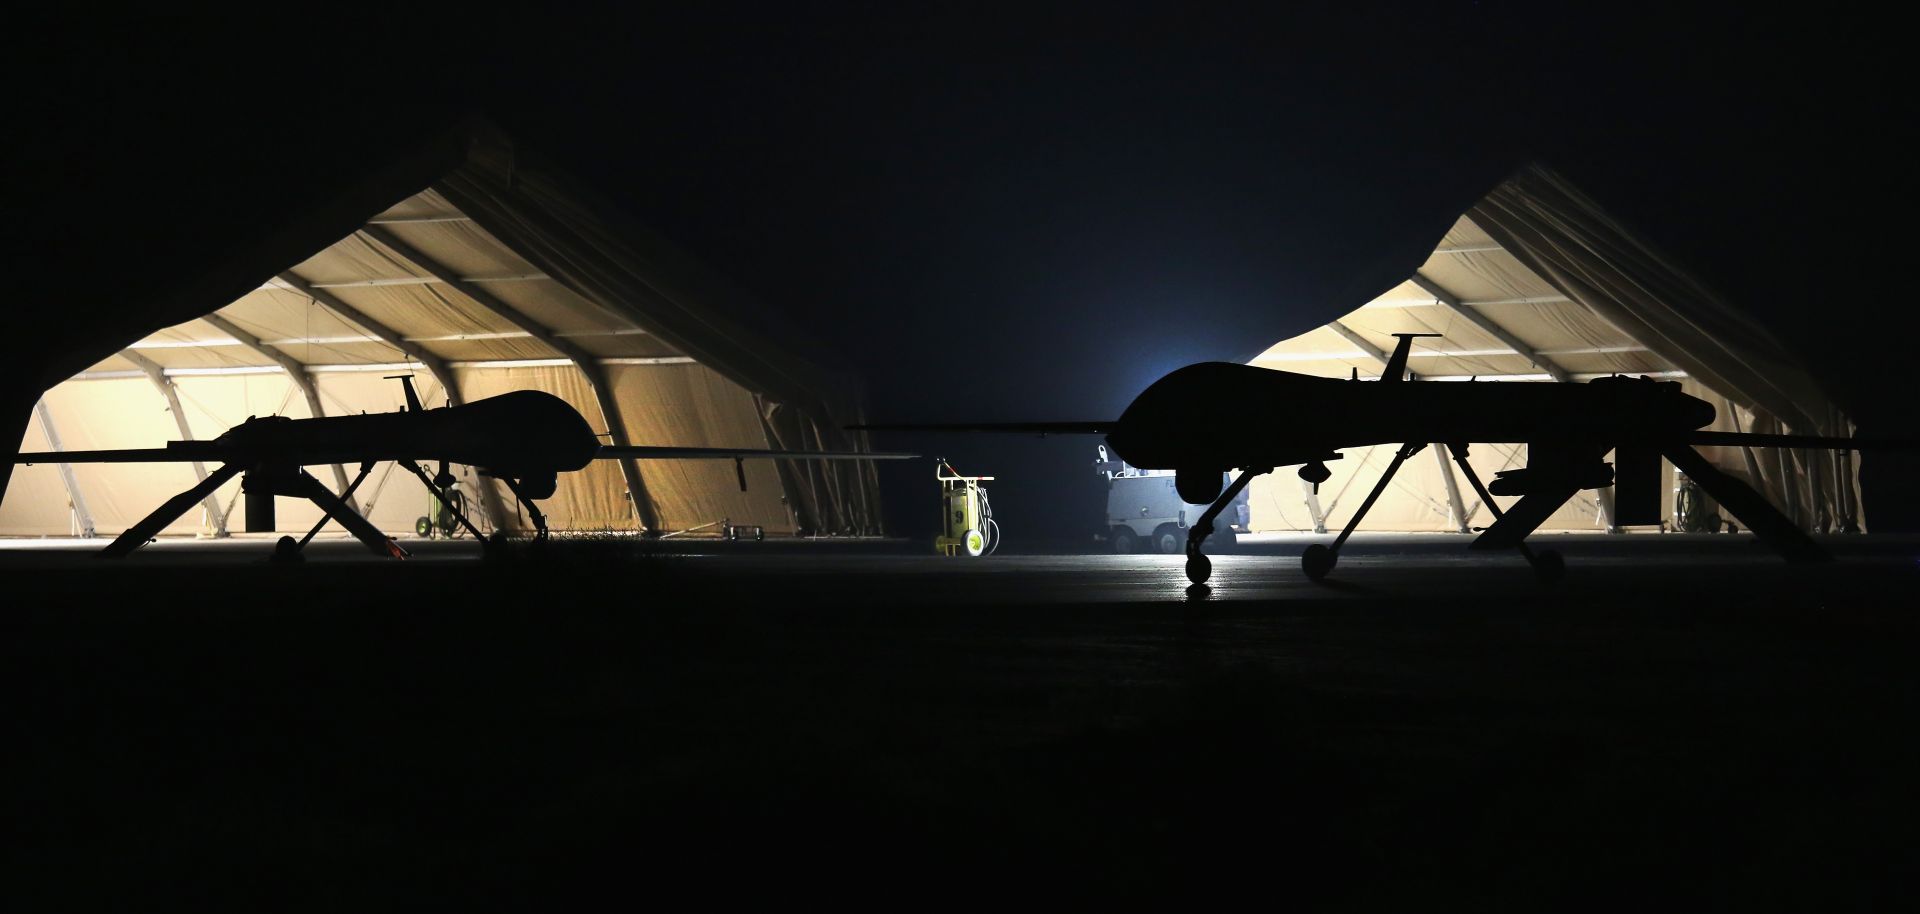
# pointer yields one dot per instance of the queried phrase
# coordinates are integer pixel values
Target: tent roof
(1535, 282)
(499, 221)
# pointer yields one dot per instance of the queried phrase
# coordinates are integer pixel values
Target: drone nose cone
(1699, 413)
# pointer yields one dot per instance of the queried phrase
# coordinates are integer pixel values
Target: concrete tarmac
(1687, 719)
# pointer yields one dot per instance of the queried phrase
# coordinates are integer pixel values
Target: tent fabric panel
(113, 362)
(636, 272)
(628, 269)
(1627, 363)
(1562, 236)
(353, 259)
(273, 314)
(692, 405)
(422, 310)
(36, 502)
(425, 204)
(116, 413)
(186, 334)
(487, 350)
(1492, 276)
(207, 357)
(591, 500)
(462, 247)
(555, 307)
(627, 345)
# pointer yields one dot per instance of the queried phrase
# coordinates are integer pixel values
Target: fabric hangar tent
(485, 272)
(1535, 283)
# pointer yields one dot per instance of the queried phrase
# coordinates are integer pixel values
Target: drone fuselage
(527, 433)
(1198, 417)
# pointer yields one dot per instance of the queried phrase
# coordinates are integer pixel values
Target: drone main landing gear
(533, 511)
(1199, 567)
(1317, 560)
(151, 525)
(263, 482)
(302, 484)
(1549, 564)
(288, 549)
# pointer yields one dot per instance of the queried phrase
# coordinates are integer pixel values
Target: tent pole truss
(586, 362)
(1490, 328)
(78, 501)
(294, 369)
(435, 366)
(164, 384)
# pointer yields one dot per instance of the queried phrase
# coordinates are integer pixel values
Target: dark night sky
(1005, 214)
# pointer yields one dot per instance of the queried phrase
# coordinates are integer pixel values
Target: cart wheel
(1124, 542)
(448, 524)
(976, 542)
(1199, 568)
(1317, 561)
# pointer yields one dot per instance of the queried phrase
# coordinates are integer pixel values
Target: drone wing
(646, 452)
(1738, 439)
(739, 456)
(174, 452)
(1018, 428)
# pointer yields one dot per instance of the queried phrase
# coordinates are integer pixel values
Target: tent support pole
(1490, 328)
(77, 500)
(294, 369)
(1454, 503)
(589, 367)
(164, 384)
(436, 367)
(1318, 513)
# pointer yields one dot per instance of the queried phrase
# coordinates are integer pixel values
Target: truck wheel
(1169, 540)
(1124, 542)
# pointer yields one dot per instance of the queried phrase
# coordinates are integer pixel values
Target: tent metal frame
(1487, 325)
(76, 500)
(165, 385)
(295, 369)
(586, 362)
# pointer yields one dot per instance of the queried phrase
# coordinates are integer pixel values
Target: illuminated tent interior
(1535, 284)
(498, 277)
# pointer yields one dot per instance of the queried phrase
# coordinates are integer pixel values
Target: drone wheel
(1317, 560)
(1550, 565)
(1199, 568)
(287, 549)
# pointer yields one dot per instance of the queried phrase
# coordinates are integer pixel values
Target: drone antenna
(406, 381)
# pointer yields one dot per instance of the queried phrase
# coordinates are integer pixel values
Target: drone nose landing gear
(1199, 567)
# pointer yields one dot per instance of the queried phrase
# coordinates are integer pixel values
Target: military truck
(1146, 515)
